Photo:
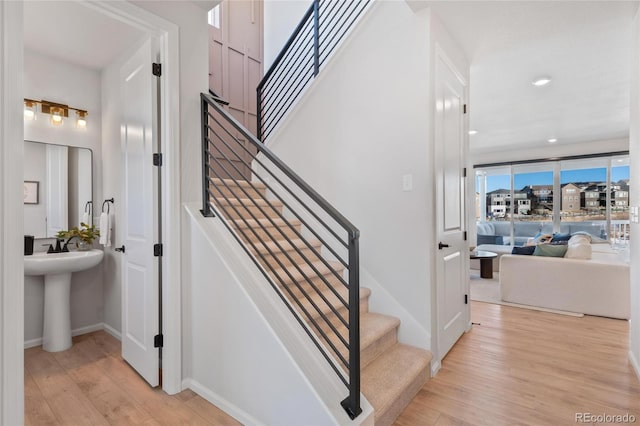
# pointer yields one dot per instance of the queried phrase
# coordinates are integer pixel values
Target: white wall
(280, 19)
(35, 170)
(634, 198)
(364, 124)
(47, 78)
(247, 354)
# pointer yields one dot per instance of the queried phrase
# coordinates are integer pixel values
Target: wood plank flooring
(518, 367)
(523, 367)
(90, 384)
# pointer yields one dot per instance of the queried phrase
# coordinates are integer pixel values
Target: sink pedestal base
(57, 313)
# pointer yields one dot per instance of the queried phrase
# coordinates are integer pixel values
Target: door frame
(440, 54)
(167, 34)
(12, 162)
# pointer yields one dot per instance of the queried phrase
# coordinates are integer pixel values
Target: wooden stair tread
(264, 222)
(319, 265)
(372, 327)
(249, 202)
(243, 183)
(388, 378)
(264, 246)
(333, 299)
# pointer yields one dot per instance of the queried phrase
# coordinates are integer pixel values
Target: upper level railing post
(316, 37)
(259, 112)
(204, 126)
(352, 403)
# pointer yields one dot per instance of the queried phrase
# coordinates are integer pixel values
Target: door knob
(442, 245)
(120, 249)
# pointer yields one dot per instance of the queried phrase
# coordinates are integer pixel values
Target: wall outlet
(407, 183)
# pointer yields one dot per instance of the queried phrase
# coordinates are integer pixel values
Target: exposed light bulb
(552, 140)
(81, 121)
(29, 110)
(56, 118)
(473, 132)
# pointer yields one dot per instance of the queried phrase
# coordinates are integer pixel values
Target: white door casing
(140, 296)
(450, 159)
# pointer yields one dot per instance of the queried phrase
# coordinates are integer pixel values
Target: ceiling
(584, 46)
(51, 28)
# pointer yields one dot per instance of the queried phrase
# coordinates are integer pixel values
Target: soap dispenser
(28, 245)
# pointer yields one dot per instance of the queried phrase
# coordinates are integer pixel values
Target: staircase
(391, 372)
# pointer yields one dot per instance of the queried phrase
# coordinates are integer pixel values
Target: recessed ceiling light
(541, 81)
(473, 132)
(552, 140)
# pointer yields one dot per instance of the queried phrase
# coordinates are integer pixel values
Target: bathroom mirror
(58, 186)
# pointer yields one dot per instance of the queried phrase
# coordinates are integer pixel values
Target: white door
(140, 287)
(451, 253)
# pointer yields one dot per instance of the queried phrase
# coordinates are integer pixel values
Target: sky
(546, 178)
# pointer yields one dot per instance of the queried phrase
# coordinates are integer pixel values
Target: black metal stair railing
(319, 32)
(305, 248)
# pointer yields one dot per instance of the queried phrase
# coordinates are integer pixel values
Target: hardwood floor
(530, 368)
(90, 384)
(517, 367)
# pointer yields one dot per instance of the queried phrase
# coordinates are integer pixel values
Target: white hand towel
(85, 219)
(105, 238)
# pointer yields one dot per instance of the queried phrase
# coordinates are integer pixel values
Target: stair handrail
(325, 23)
(351, 404)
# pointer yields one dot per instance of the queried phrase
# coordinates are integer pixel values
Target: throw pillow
(580, 239)
(560, 237)
(586, 234)
(550, 250)
(526, 250)
(579, 250)
(543, 239)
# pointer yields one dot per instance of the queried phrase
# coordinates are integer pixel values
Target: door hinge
(464, 108)
(464, 172)
(156, 69)
(157, 250)
(466, 299)
(157, 159)
(464, 235)
(158, 341)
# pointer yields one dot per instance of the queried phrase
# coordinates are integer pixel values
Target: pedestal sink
(57, 269)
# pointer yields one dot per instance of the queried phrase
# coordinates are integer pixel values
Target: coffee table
(486, 262)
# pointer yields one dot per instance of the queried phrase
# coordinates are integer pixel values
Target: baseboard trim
(112, 331)
(76, 332)
(634, 363)
(435, 367)
(220, 402)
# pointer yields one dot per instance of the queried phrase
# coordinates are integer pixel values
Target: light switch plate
(633, 213)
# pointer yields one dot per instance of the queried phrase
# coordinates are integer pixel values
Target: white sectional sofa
(598, 286)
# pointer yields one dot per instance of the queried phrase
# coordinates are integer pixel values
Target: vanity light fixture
(541, 81)
(81, 120)
(57, 111)
(30, 109)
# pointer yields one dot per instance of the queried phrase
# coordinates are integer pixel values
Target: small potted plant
(84, 236)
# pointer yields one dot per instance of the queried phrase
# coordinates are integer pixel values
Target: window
(214, 16)
(589, 195)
